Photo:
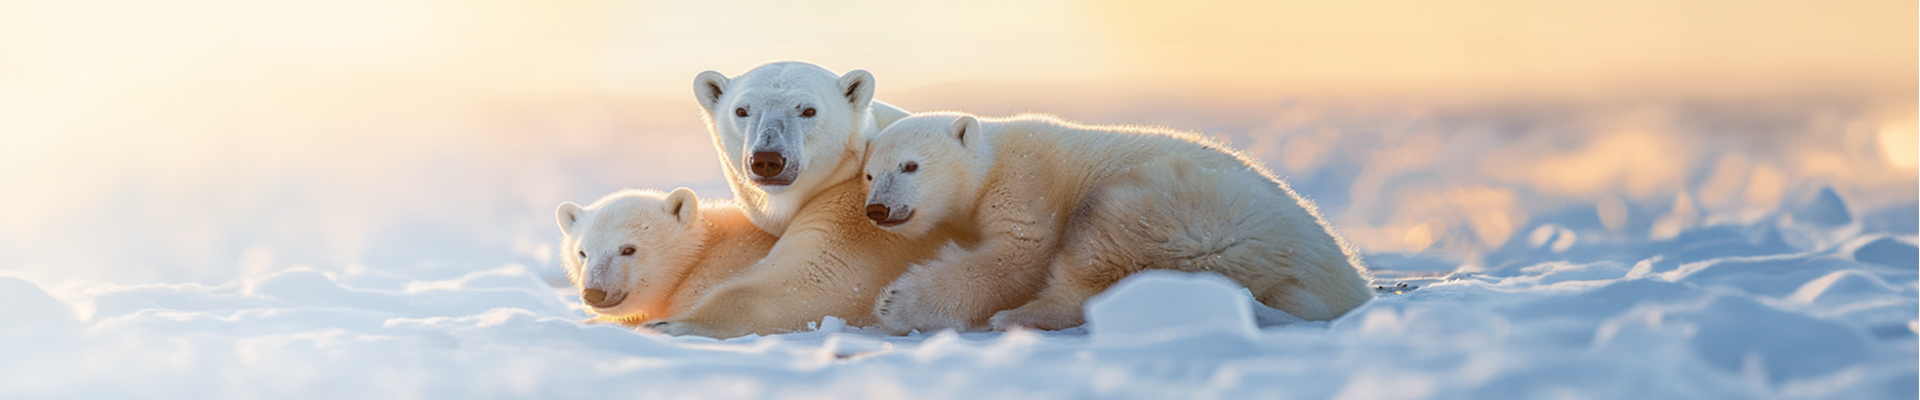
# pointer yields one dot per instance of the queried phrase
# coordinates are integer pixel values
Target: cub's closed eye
(583, 254)
(910, 167)
(740, 112)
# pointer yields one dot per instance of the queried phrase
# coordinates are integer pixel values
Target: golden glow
(1900, 143)
(1544, 49)
(1419, 237)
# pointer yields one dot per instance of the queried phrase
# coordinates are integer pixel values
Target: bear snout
(884, 216)
(599, 298)
(767, 164)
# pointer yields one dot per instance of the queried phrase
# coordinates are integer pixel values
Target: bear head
(627, 251)
(923, 169)
(786, 130)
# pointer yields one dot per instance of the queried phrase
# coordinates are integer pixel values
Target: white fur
(681, 245)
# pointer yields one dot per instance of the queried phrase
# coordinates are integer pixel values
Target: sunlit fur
(678, 257)
(1062, 211)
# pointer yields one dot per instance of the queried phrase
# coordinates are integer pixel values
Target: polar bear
(787, 131)
(639, 255)
(791, 137)
(1061, 211)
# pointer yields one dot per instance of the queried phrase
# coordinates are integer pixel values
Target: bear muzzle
(886, 217)
(769, 169)
(600, 299)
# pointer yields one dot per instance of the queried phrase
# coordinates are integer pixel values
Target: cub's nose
(766, 164)
(598, 298)
(877, 212)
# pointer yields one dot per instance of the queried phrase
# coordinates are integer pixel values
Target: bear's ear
(965, 127)
(707, 88)
(857, 86)
(568, 214)
(683, 205)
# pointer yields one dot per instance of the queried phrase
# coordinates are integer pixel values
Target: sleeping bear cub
(1047, 213)
(642, 255)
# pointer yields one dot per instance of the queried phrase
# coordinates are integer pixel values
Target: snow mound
(1159, 306)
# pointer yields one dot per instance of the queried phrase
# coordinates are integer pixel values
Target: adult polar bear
(792, 137)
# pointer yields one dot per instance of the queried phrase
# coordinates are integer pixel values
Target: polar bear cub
(1048, 213)
(640, 255)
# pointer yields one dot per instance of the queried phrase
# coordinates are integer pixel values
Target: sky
(203, 141)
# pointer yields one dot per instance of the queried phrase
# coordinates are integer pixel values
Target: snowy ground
(1669, 254)
(1726, 314)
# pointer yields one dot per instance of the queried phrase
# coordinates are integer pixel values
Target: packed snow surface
(1719, 313)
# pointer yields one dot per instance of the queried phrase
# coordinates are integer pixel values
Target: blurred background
(215, 141)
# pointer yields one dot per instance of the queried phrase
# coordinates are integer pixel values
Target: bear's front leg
(959, 290)
(914, 303)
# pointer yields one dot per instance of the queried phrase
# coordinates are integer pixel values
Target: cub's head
(626, 251)
(924, 169)
(785, 126)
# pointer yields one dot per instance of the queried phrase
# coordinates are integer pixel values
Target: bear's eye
(583, 254)
(910, 167)
(626, 250)
(808, 113)
(740, 112)
(869, 177)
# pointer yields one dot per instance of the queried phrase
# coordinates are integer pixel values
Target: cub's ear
(683, 205)
(567, 215)
(857, 86)
(966, 127)
(707, 88)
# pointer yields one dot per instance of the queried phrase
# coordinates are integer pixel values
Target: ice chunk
(1158, 306)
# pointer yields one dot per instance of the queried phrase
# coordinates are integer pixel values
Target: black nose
(877, 212)
(766, 164)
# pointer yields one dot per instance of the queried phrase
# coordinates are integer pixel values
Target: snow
(1158, 306)
(1796, 325)
(1716, 317)
(1516, 255)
